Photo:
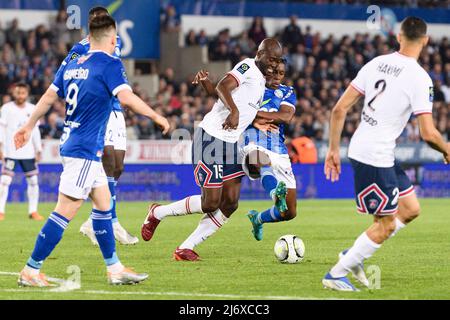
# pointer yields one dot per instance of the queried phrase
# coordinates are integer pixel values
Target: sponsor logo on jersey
(243, 68)
(265, 102)
(431, 93)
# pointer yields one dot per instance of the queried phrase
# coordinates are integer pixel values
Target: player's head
(413, 31)
(21, 92)
(96, 12)
(278, 75)
(103, 34)
(268, 56)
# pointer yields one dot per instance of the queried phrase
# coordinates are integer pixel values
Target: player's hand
(447, 156)
(332, 167)
(232, 121)
(22, 137)
(163, 124)
(202, 75)
(265, 125)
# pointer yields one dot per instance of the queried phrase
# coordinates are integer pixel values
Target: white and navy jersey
(394, 86)
(12, 119)
(82, 48)
(88, 84)
(272, 102)
(247, 97)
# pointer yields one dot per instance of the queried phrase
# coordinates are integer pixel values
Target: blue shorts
(28, 166)
(214, 160)
(378, 189)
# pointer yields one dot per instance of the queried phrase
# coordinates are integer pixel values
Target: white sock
(115, 268)
(208, 225)
(398, 226)
(31, 271)
(33, 194)
(189, 205)
(5, 181)
(362, 249)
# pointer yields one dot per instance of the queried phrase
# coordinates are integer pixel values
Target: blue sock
(268, 180)
(270, 215)
(112, 183)
(101, 222)
(47, 239)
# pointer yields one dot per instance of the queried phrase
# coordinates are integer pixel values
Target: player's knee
(5, 180)
(118, 170)
(229, 208)
(210, 205)
(290, 214)
(412, 212)
(32, 181)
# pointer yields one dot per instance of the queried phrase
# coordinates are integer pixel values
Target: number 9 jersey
(88, 84)
(394, 86)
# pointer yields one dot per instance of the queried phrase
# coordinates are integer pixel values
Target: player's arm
(128, 99)
(224, 89)
(432, 136)
(37, 142)
(3, 123)
(206, 83)
(42, 107)
(284, 115)
(345, 103)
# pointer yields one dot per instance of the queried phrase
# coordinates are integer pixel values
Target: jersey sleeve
(240, 72)
(289, 98)
(58, 84)
(422, 95)
(116, 78)
(359, 83)
(77, 51)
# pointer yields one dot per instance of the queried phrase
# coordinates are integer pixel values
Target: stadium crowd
(319, 68)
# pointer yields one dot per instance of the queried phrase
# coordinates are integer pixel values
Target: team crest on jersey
(431, 93)
(243, 68)
(83, 59)
(278, 93)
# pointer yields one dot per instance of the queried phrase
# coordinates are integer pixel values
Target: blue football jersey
(82, 48)
(273, 100)
(88, 84)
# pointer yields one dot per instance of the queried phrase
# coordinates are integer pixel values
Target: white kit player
(394, 86)
(13, 116)
(217, 170)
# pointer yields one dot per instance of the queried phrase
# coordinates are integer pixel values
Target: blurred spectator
(53, 128)
(171, 22)
(292, 35)
(257, 32)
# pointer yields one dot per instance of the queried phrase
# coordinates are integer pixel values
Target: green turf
(414, 265)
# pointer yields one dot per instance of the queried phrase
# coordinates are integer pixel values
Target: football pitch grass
(415, 264)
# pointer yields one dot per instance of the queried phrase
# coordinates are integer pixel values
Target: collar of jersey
(95, 51)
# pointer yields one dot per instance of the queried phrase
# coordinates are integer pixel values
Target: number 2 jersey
(82, 48)
(272, 102)
(394, 86)
(88, 84)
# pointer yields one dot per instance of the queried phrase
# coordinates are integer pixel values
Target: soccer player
(88, 84)
(264, 154)
(394, 86)
(215, 150)
(13, 116)
(115, 142)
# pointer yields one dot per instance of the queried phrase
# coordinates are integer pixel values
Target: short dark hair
(97, 11)
(101, 24)
(22, 85)
(414, 28)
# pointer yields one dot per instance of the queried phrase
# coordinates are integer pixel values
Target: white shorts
(80, 176)
(280, 163)
(116, 131)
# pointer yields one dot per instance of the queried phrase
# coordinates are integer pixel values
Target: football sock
(362, 249)
(189, 205)
(268, 181)
(209, 224)
(102, 225)
(398, 226)
(112, 183)
(47, 240)
(270, 215)
(5, 181)
(33, 193)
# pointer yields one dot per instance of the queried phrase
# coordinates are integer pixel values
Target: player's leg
(48, 238)
(31, 173)
(103, 228)
(8, 167)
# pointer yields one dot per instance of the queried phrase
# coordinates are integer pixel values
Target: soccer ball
(289, 249)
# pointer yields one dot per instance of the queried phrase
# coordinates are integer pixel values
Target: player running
(13, 116)
(394, 86)
(88, 83)
(264, 154)
(215, 150)
(115, 142)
